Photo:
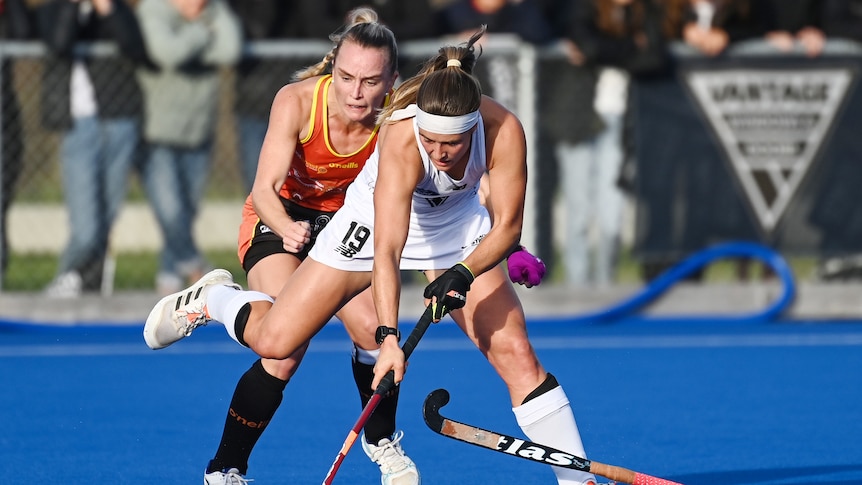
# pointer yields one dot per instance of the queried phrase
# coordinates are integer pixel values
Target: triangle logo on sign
(771, 124)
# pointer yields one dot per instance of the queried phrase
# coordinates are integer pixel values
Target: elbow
(512, 232)
(167, 62)
(257, 196)
(170, 54)
(387, 255)
(228, 55)
(516, 237)
(234, 52)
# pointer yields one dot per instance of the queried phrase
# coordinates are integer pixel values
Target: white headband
(446, 125)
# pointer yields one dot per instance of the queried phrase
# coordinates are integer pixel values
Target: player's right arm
(288, 123)
(400, 170)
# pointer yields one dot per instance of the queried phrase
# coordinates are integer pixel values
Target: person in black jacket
(258, 79)
(607, 40)
(95, 102)
(15, 23)
(581, 127)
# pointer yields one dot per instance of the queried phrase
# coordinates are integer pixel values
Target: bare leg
(360, 321)
(259, 392)
(307, 302)
(494, 320)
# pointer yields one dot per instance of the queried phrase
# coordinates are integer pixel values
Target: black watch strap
(383, 331)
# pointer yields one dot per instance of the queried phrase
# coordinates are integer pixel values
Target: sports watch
(383, 331)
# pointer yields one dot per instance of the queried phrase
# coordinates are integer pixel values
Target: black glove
(450, 289)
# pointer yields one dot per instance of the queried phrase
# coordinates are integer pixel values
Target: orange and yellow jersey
(319, 175)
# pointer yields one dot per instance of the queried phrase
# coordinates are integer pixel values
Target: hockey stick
(523, 448)
(386, 384)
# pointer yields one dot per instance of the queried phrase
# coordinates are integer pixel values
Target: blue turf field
(711, 403)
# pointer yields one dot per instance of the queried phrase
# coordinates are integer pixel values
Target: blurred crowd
(167, 74)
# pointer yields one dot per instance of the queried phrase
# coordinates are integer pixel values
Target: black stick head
(431, 408)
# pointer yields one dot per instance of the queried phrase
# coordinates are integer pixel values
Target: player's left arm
(506, 151)
(524, 267)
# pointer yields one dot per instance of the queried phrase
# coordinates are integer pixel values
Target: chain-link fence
(36, 143)
(32, 158)
(38, 222)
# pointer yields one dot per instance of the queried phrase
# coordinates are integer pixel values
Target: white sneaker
(396, 468)
(226, 477)
(65, 285)
(175, 316)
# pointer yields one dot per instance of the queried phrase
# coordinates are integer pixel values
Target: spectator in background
(582, 116)
(711, 26)
(257, 80)
(96, 104)
(189, 40)
(797, 24)
(524, 18)
(842, 19)
(15, 23)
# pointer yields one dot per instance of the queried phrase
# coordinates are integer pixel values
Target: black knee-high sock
(255, 400)
(381, 423)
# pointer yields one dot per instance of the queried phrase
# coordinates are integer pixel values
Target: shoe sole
(157, 313)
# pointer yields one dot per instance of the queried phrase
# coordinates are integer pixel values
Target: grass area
(137, 271)
(134, 271)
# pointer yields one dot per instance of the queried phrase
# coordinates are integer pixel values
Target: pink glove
(525, 269)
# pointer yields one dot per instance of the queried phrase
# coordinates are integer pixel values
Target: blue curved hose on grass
(695, 262)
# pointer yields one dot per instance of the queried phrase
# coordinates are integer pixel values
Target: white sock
(548, 420)
(224, 303)
(367, 357)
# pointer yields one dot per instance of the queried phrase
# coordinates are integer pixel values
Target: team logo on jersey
(771, 124)
(433, 198)
(314, 168)
(475, 242)
(320, 222)
(346, 251)
(347, 166)
(436, 201)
